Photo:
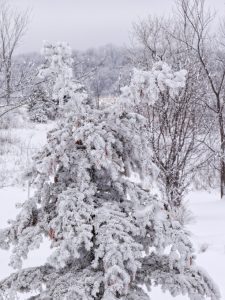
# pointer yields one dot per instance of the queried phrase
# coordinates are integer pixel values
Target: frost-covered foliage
(145, 86)
(111, 235)
(40, 107)
(57, 71)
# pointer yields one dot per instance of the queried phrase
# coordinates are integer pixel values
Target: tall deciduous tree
(178, 123)
(208, 49)
(12, 28)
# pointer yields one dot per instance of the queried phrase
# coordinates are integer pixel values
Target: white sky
(88, 23)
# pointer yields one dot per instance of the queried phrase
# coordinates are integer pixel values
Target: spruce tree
(111, 234)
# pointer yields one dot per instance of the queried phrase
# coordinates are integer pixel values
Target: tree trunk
(173, 190)
(222, 157)
(222, 178)
(8, 82)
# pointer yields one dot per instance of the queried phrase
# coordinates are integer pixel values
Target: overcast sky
(88, 23)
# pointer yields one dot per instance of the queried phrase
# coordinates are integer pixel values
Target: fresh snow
(17, 146)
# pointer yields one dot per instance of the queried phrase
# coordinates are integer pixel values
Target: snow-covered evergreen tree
(57, 71)
(112, 236)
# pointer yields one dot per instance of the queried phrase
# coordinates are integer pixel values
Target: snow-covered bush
(111, 235)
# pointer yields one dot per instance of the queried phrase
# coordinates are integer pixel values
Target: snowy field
(17, 146)
(207, 228)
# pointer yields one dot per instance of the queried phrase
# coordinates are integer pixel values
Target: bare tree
(13, 25)
(209, 50)
(178, 128)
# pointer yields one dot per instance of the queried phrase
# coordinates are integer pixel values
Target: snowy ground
(208, 226)
(208, 235)
(17, 146)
